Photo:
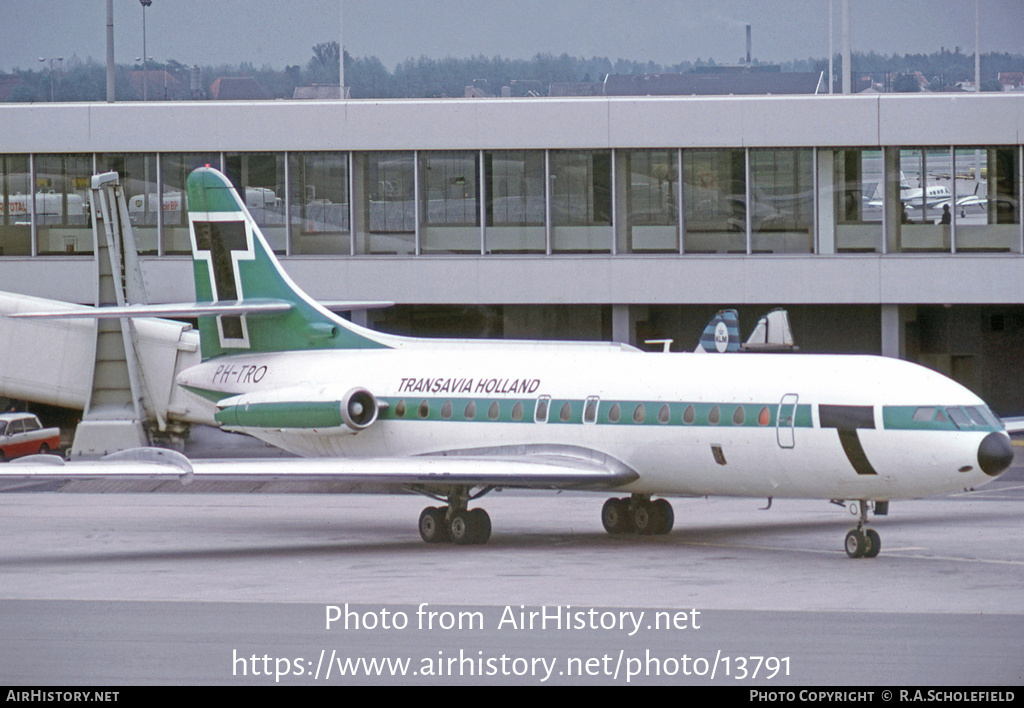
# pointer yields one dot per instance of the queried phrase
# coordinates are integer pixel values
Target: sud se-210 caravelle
(455, 419)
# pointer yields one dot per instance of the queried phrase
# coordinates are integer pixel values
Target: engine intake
(359, 409)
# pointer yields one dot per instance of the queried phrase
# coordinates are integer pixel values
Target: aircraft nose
(995, 453)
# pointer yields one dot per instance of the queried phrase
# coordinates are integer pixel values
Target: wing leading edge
(549, 471)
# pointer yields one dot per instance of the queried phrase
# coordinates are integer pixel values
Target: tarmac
(215, 588)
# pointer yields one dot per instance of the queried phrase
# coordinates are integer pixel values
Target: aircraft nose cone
(995, 454)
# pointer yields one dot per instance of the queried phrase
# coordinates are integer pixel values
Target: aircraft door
(785, 421)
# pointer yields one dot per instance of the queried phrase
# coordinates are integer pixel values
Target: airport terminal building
(885, 224)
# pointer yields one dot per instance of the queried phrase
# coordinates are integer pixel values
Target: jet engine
(299, 407)
(359, 409)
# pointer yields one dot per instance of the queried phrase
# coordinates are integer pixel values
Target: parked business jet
(456, 420)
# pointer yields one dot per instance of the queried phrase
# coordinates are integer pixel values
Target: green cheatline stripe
(209, 395)
(571, 411)
(327, 414)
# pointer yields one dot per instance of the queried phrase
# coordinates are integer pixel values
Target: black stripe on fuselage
(847, 420)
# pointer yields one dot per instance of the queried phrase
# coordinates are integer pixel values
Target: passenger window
(540, 413)
(639, 413)
(715, 415)
(614, 414)
(470, 411)
(664, 414)
(590, 410)
(739, 416)
(764, 417)
(517, 411)
(446, 410)
(689, 415)
(493, 411)
(566, 413)
(424, 409)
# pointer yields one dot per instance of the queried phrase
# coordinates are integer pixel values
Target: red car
(22, 434)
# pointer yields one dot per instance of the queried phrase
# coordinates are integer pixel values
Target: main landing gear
(455, 523)
(863, 542)
(637, 514)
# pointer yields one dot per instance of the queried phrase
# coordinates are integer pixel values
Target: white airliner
(454, 420)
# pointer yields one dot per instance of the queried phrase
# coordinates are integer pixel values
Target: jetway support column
(893, 344)
(624, 321)
(621, 325)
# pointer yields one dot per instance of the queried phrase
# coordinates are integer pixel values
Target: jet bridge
(119, 371)
(135, 362)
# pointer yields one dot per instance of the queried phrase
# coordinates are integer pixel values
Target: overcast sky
(282, 32)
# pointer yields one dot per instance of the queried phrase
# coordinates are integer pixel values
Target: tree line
(425, 77)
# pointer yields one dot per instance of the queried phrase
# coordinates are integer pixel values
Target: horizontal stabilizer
(195, 309)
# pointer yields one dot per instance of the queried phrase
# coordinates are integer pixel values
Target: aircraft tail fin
(722, 334)
(232, 263)
(772, 333)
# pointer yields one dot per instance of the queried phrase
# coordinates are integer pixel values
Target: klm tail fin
(722, 333)
(233, 266)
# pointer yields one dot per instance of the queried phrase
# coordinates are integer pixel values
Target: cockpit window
(940, 418)
(990, 417)
(983, 417)
(959, 417)
(975, 415)
(930, 414)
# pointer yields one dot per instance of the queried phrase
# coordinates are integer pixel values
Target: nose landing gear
(862, 543)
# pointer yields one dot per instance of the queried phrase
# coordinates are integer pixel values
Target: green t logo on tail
(233, 266)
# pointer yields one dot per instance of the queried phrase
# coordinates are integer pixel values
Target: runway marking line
(978, 493)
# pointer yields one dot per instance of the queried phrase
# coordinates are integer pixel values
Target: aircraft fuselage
(814, 426)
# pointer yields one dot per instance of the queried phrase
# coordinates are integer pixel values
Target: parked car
(22, 434)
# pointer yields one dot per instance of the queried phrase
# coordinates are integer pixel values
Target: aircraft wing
(434, 472)
(1013, 425)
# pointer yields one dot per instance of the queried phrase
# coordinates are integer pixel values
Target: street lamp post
(51, 60)
(145, 65)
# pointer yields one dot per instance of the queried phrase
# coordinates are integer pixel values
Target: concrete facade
(615, 293)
